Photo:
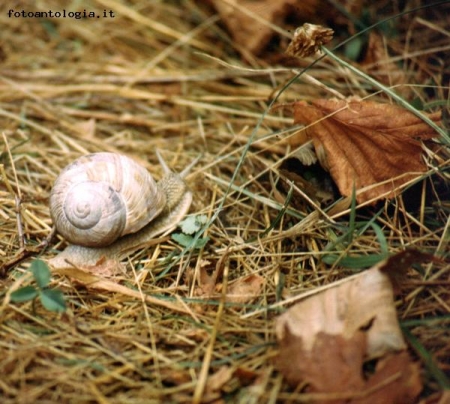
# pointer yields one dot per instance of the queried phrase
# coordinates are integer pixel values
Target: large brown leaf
(334, 367)
(366, 143)
(327, 340)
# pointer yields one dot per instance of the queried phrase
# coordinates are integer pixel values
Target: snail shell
(103, 196)
(149, 209)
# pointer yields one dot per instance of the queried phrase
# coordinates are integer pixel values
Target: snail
(107, 205)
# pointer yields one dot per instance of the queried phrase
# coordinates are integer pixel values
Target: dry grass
(153, 77)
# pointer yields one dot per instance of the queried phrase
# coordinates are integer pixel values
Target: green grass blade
(354, 263)
(427, 359)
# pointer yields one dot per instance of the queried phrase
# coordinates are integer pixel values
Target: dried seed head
(307, 40)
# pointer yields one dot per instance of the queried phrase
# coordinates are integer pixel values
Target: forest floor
(191, 317)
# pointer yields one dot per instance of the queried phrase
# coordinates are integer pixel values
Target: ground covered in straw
(170, 75)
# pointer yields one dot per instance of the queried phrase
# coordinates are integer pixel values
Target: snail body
(106, 205)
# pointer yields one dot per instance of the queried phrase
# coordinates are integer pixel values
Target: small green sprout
(51, 299)
(189, 226)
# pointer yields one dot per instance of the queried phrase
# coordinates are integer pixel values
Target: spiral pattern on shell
(103, 196)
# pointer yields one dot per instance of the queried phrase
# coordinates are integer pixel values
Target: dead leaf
(91, 281)
(206, 283)
(247, 376)
(197, 335)
(245, 18)
(397, 265)
(241, 290)
(217, 380)
(106, 268)
(366, 144)
(327, 340)
(86, 129)
(334, 366)
(366, 301)
(175, 377)
(406, 383)
(226, 378)
(244, 289)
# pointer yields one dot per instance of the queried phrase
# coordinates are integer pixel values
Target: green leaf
(24, 294)
(41, 273)
(354, 48)
(358, 262)
(201, 242)
(186, 240)
(53, 300)
(428, 359)
(381, 239)
(193, 224)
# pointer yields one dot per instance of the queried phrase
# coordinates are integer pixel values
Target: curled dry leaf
(241, 290)
(335, 366)
(332, 364)
(405, 386)
(325, 340)
(367, 144)
(86, 129)
(227, 377)
(367, 301)
(217, 380)
(245, 289)
(308, 39)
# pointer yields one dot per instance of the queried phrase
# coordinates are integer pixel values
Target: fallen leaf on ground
(327, 340)
(217, 380)
(396, 380)
(106, 268)
(332, 364)
(91, 281)
(241, 290)
(397, 266)
(247, 376)
(245, 18)
(335, 365)
(365, 144)
(175, 377)
(226, 378)
(244, 289)
(365, 301)
(206, 283)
